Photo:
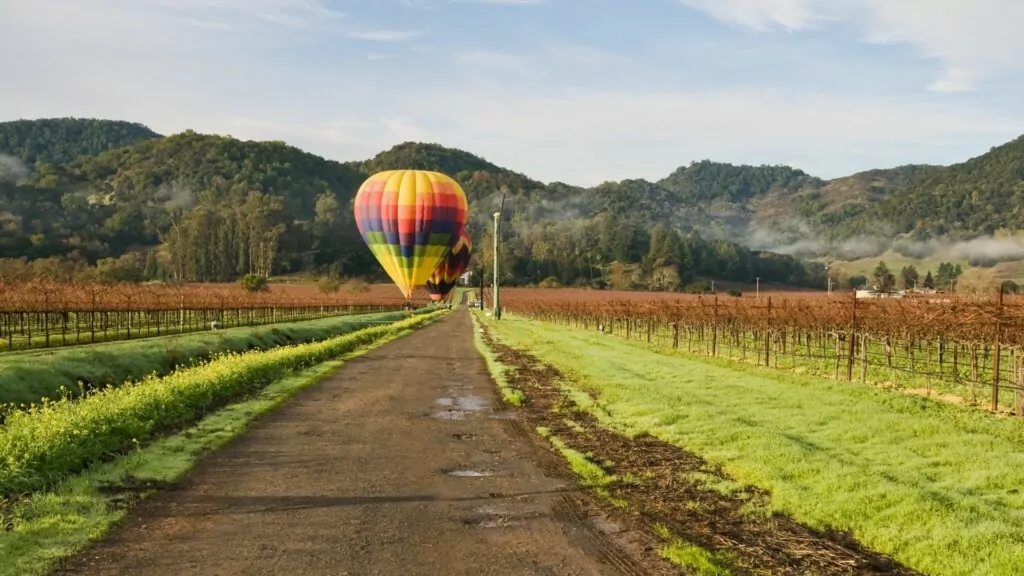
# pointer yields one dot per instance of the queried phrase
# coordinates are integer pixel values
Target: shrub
(253, 283)
(328, 285)
(550, 282)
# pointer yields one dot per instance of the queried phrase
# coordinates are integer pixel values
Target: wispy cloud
(763, 14)
(756, 126)
(561, 91)
(385, 35)
(972, 39)
(289, 13)
(506, 2)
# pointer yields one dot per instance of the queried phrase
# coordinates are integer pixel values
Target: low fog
(799, 239)
(13, 170)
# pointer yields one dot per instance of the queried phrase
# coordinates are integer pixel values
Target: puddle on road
(458, 407)
(467, 473)
(493, 517)
(449, 415)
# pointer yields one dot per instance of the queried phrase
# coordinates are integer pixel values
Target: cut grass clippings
(42, 445)
(48, 527)
(935, 486)
(29, 377)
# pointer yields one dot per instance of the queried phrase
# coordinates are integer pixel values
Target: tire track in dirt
(668, 493)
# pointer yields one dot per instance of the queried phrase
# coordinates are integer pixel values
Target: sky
(578, 91)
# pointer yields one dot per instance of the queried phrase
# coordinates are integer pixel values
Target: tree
(127, 268)
(328, 285)
(883, 277)
(253, 283)
(909, 276)
(948, 275)
(929, 282)
(858, 281)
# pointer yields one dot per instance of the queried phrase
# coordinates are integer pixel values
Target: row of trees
(623, 253)
(909, 278)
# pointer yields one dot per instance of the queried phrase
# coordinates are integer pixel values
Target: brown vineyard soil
(666, 494)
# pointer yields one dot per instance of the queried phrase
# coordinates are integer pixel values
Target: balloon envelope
(408, 219)
(447, 274)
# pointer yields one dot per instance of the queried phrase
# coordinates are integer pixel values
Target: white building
(880, 294)
(466, 278)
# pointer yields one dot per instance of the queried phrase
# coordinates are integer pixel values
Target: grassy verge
(676, 550)
(76, 330)
(29, 377)
(41, 530)
(913, 370)
(45, 443)
(936, 486)
(698, 560)
(497, 369)
(593, 476)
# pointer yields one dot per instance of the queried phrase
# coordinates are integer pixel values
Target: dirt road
(399, 464)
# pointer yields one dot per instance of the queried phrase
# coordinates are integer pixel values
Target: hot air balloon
(447, 274)
(409, 219)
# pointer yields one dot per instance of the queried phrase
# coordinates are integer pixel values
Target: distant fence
(44, 315)
(969, 351)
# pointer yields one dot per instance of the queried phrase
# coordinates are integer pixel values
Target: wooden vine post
(714, 334)
(767, 335)
(995, 359)
(853, 340)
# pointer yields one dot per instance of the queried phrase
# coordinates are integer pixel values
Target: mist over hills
(206, 207)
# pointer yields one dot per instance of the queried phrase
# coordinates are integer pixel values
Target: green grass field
(28, 377)
(86, 328)
(917, 369)
(936, 486)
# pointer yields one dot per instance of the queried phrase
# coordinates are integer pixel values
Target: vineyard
(964, 351)
(47, 314)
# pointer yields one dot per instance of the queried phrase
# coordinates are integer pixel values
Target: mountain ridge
(766, 207)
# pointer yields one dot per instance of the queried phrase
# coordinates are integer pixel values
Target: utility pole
(481, 287)
(757, 287)
(497, 238)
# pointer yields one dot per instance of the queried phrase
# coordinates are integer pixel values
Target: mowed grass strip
(29, 377)
(40, 531)
(44, 444)
(937, 487)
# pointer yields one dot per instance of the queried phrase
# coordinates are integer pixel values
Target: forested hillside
(979, 196)
(211, 208)
(215, 207)
(62, 140)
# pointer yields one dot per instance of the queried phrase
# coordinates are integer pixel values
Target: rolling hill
(62, 140)
(190, 205)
